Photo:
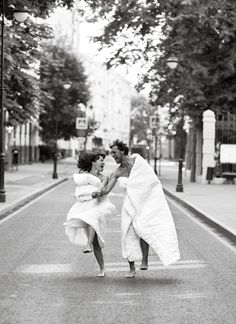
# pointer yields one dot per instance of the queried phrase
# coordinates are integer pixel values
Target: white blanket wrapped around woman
(87, 211)
(146, 209)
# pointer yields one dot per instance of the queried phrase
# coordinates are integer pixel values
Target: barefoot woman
(87, 216)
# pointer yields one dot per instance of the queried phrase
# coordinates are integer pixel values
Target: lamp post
(172, 63)
(66, 86)
(153, 123)
(19, 16)
(149, 138)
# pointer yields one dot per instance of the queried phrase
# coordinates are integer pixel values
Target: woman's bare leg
(99, 256)
(145, 249)
(91, 234)
(132, 272)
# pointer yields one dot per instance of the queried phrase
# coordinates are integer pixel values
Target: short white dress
(87, 210)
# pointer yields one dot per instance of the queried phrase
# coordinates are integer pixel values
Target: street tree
(141, 110)
(146, 31)
(201, 34)
(21, 57)
(58, 67)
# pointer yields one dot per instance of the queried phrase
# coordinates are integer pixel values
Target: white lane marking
(127, 294)
(191, 296)
(70, 268)
(202, 225)
(46, 268)
(110, 264)
(152, 268)
(28, 204)
(114, 302)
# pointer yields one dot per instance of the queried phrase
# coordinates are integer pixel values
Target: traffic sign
(81, 123)
(153, 121)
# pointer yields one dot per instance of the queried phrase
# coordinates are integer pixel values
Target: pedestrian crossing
(110, 267)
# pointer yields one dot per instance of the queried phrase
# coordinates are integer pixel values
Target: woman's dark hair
(121, 146)
(86, 159)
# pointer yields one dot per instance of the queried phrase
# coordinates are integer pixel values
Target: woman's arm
(105, 190)
(109, 186)
(105, 180)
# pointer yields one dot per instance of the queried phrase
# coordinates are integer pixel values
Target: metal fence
(226, 134)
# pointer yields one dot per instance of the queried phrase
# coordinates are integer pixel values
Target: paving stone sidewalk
(30, 181)
(213, 203)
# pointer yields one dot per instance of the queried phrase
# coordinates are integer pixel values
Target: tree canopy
(57, 68)
(38, 8)
(201, 33)
(21, 56)
(141, 111)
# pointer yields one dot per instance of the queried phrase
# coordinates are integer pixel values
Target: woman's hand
(96, 194)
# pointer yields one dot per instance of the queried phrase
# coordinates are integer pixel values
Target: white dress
(87, 211)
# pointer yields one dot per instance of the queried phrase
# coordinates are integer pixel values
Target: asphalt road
(44, 279)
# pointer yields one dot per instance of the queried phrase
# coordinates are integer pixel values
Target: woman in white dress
(86, 218)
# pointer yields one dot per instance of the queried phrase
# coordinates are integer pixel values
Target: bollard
(179, 186)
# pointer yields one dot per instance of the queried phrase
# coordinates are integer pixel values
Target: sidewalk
(214, 204)
(31, 181)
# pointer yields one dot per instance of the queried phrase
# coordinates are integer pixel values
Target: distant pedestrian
(87, 216)
(146, 219)
(15, 157)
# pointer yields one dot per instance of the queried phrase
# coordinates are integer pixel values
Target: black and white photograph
(118, 162)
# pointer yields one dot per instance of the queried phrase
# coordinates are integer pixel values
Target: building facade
(111, 93)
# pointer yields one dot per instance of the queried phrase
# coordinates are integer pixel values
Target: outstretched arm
(109, 186)
(105, 190)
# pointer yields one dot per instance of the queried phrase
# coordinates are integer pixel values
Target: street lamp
(172, 63)
(66, 86)
(19, 16)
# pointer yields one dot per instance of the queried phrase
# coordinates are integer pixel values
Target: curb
(15, 206)
(205, 217)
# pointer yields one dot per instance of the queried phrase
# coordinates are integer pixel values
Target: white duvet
(146, 214)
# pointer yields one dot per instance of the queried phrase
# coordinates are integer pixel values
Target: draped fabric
(146, 210)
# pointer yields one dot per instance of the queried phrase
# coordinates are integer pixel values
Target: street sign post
(81, 132)
(81, 123)
(153, 120)
(81, 143)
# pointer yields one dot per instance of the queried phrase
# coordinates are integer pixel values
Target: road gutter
(205, 217)
(19, 204)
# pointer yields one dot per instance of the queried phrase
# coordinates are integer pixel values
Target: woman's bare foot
(130, 274)
(102, 273)
(88, 249)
